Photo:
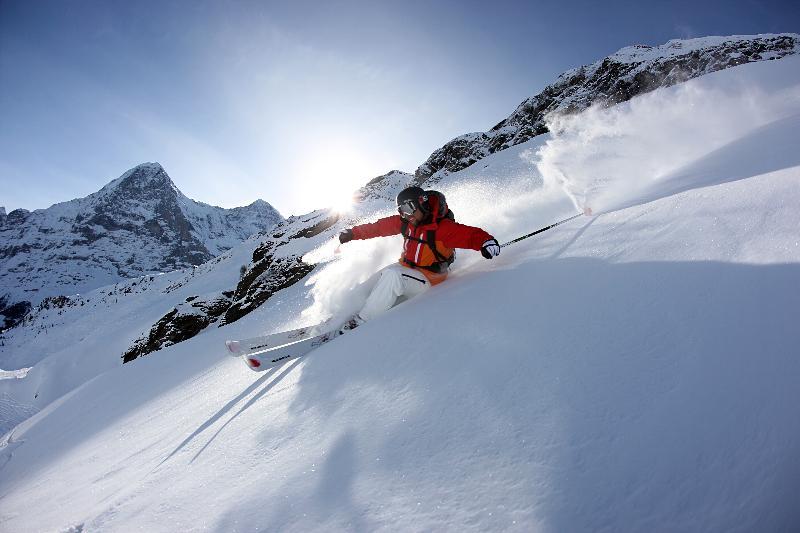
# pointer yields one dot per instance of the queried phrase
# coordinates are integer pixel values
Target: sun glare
(333, 175)
(343, 204)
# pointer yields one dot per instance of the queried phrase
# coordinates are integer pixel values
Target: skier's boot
(352, 323)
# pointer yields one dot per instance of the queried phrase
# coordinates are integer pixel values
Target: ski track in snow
(635, 371)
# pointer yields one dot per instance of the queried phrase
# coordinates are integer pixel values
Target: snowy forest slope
(632, 371)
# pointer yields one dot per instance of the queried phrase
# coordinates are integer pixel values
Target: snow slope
(635, 371)
(61, 348)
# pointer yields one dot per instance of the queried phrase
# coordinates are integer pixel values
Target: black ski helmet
(416, 196)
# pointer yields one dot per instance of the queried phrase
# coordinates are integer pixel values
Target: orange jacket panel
(449, 235)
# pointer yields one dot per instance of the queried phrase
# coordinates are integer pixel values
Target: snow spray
(628, 154)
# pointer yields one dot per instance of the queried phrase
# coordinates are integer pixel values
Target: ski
(245, 347)
(259, 361)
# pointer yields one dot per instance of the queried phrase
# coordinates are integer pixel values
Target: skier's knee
(391, 278)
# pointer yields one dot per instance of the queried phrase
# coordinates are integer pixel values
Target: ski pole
(587, 211)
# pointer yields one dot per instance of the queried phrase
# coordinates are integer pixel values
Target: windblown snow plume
(641, 150)
(506, 208)
(340, 287)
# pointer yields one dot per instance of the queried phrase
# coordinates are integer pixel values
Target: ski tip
(587, 211)
(233, 346)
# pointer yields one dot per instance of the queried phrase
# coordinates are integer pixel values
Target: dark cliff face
(184, 322)
(631, 71)
(145, 204)
(12, 313)
(15, 217)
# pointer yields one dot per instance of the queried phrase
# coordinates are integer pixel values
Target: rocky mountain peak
(385, 187)
(259, 206)
(145, 182)
(139, 223)
(17, 216)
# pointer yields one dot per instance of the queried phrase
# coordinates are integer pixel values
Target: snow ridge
(617, 78)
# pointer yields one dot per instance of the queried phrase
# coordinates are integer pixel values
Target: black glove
(490, 249)
(346, 235)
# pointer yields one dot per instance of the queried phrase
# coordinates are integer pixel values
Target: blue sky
(293, 102)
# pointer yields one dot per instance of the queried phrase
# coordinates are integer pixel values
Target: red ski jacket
(417, 253)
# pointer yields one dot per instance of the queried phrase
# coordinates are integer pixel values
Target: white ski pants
(395, 280)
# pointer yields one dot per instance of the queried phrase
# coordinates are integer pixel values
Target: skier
(430, 235)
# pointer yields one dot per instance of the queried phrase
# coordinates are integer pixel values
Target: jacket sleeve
(380, 228)
(455, 235)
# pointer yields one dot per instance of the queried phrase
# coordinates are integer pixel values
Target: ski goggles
(407, 208)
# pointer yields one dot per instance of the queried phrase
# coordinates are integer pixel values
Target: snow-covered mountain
(138, 224)
(270, 264)
(631, 371)
(631, 71)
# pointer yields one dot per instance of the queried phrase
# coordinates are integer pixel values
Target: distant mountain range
(138, 224)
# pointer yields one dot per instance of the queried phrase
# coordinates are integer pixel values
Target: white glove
(490, 249)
